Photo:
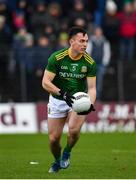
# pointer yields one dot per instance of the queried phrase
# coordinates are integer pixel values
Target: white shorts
(57, 108)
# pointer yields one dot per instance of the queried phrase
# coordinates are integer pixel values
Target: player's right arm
(47, 83)
(49, 75)
(51, 88)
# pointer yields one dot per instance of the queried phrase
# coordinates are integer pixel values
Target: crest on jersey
(84, 69)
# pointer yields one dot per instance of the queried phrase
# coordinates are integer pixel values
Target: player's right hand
(67, 97)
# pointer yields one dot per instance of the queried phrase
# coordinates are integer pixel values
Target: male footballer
(69, 70)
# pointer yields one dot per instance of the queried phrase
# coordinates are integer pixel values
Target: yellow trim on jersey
(77, 58)
(88, 58)
(61, 55)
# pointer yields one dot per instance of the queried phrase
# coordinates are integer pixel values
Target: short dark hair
(75, 30)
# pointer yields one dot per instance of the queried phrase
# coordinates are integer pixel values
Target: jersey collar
(77, 58)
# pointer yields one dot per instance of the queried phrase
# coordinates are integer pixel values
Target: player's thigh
(76, 121)
(55, 126)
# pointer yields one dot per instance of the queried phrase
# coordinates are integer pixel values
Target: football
(81, 102)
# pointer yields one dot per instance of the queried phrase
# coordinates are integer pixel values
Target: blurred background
(31, 30)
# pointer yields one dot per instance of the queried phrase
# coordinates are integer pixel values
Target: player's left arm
(91, 82)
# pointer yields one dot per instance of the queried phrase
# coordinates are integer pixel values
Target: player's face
(79, 43)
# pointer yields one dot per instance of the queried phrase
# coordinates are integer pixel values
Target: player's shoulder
(88, 58)
(60, 54)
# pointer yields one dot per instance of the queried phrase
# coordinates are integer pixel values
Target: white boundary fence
(32, 118)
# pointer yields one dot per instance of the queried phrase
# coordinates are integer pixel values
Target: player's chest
(71, 67)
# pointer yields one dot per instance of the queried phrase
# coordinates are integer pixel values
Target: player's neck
(74, 55)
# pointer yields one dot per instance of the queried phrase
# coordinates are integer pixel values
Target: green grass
(107, 156)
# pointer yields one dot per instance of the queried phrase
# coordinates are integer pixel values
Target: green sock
(67, 148)
(57, 159)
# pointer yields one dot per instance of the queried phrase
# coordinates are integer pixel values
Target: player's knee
(54, 139)
(74, 132)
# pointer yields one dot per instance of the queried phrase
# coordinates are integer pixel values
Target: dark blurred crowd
(31, 30)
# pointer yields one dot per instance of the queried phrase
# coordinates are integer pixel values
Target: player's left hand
(87, 112)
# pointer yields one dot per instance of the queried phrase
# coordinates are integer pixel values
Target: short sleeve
(92, 70)
(52, 64)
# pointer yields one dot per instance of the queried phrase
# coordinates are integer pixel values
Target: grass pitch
(95, 156)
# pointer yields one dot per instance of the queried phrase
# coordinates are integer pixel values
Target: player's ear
(71, 41)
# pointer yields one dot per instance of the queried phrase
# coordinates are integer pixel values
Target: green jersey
(71, 74)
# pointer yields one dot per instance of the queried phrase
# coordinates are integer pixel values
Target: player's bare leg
(75, 123)
(55, 129)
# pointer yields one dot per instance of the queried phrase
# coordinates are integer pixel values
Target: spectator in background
(22, 60)
(19, 20)
(110, 25)
(99, 49)
(50, 33)
(27, 54)
(42, 51)
(19, 41)
(64, 26)
(62, 41)
(79, 15)
(127, 31)
(27, 57)
(53, 16)
(38, 18)
(80, 22)
(21, 15)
